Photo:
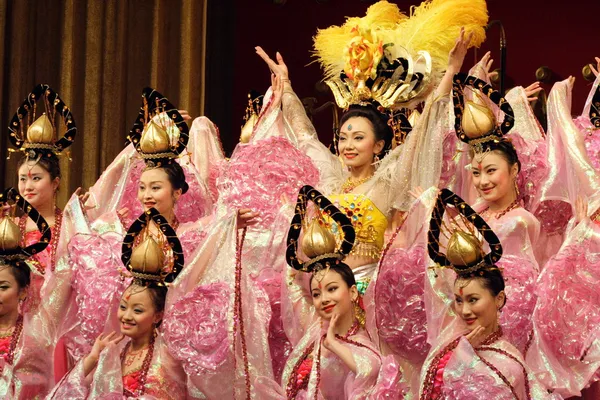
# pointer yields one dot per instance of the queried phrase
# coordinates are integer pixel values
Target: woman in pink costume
(233, 288)
(372, 182)
(39, 177)
(565, 353)
(333, 357)
(140, 367)
(25, 361)
(495, 170)
(471, 355)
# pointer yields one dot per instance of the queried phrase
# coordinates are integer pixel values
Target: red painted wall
(563, 35)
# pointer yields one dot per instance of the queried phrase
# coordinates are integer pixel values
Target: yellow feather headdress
(391, 58)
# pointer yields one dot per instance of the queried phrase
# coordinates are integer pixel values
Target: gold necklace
(350, 184)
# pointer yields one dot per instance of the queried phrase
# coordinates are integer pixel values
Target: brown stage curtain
(98, 55)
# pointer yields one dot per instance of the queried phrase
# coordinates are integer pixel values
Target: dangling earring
(359, 312)
(376, 159)
(516, 188)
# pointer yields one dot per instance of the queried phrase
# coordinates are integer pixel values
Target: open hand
(330, 338)
(476, 336)
(459, 51)
(246, 217)
(278, 68)
(532, 90)
(596, 70)
(103, 341)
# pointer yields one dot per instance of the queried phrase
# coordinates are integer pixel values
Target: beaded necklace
(143, 370)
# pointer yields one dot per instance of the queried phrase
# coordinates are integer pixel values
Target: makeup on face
(491, 176)
(331, 293)
(155, 190)
(357, 144)
(136, 312)
(475, 304)
(36, 185)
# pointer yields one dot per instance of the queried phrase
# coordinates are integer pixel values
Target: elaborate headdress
(159, 133)
(595, 109)
(38, 137)
(11, 252)
(145, 257)
(393, 60)
(464, 249)
(474, 122)
(319, 244)
(252, 112)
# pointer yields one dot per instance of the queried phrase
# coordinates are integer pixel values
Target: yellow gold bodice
(368, 221)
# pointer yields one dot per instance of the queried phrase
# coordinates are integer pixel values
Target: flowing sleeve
(360, 385)
(329, 166)
(394, 301)
(297, 311)
(565, 352)
(206, 152)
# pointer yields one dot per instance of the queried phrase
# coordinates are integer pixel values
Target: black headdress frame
(459, 82)
(595, 109)
(306, 194)
(447, 197)
(19, 139)
(19, 255)
(127, 248)
(155, 103)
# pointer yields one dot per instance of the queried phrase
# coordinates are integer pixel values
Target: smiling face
(10, 292)
(137, 313)
(357, 143)
(36, 185)
(156, 191)
(332, 293)
(493, 177)
(476, 304)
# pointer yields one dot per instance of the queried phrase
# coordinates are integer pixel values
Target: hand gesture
(102, 342)
(330, 338)
(486, 65)
(476, 336)
(277, 87)
(246, 217)
(123, 213)
(532, 90)
(83, 199)
(459, 51)
(596, 70)
(416, 192)
(278, 68)
(581, 209)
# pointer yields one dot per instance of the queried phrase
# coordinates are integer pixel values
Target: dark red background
(563, 35)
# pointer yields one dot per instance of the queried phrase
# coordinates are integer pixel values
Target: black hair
(345, 272)
(176, 176)
(21, 273)
(506, 149)
(50, 164)
(490, 278)
(378, 120)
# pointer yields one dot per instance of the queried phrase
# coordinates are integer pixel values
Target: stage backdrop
(98, 55)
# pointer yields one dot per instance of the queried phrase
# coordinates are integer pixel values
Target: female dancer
(471, 356)
(334, 358)
(25, 360)
(39, 180)
(377, 181)
(142, 366)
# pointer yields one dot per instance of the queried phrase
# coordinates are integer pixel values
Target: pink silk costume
(453, 369)
(565, 353)
(376, 377)
(88, 267)
(588, 131)
(226, 329)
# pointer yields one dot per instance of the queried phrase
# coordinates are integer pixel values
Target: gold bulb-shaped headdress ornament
(11, 252)
(145, 258)
(255, 100)
(318, 243)
(159, 133)
(464, 248)
(475, 123)
(38, 136)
